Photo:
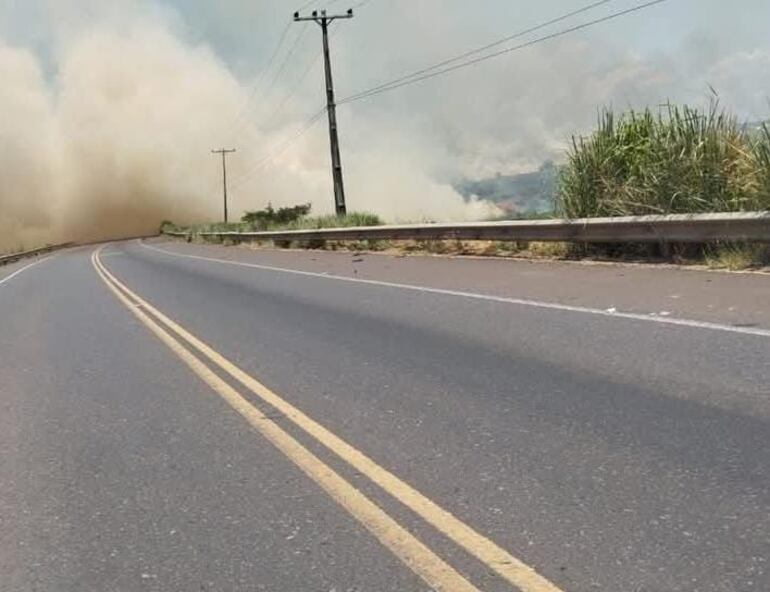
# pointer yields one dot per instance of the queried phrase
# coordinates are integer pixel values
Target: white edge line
(488, 297)
(25, 268)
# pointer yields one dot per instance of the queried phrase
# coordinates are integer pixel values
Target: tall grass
(332, 221)
(761, 155)
(678, 160)
(304, 222)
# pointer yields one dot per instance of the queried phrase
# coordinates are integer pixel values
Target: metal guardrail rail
(11, 257)
(685, 228)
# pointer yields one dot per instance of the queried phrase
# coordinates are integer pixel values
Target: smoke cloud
(113, 145)
(108, 132)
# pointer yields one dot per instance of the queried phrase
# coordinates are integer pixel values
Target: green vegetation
(332, 221)
(207, 227)
(329, 221)
(297, 218)
(679, 160)
(761, 155)
(290, 218)
(270, 217)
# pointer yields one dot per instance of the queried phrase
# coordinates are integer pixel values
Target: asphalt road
(417, 423)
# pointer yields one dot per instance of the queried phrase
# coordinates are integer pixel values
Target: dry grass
(728, 256)
(549, 250)
(737, 257)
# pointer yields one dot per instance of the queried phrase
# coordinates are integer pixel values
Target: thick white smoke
(29, 159)
(119, 140)
(115, 143)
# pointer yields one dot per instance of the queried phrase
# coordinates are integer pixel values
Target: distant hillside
(532, 193)
(523, 194)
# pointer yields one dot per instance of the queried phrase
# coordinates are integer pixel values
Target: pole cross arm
(319, 16)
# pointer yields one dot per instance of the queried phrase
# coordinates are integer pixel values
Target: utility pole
(224, 152)
(331, 107)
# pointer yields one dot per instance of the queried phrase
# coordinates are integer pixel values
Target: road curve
(431, 424)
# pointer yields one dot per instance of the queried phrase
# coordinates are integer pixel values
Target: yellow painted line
(510, 568)
(438, 574)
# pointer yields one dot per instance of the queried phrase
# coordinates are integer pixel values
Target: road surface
(180, 417)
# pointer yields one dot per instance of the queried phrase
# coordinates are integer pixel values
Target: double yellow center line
(430, 567)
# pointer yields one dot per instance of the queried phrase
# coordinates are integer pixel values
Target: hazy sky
(388, 37)
(394, 33)
(243, 30)
(677, 50)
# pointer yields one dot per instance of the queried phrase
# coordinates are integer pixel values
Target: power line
(329, 3)
(431, 72)
(256, 85)
(267, 89)
(282, 147)
(286, 59)
(486, 47)
(326, 4)
(293, 91)
(404, 81)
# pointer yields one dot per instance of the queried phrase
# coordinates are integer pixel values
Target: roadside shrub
(269, 217)
(679, 160)
(167, 226)
(334, 221)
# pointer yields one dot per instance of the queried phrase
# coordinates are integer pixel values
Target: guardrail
(10, 258)
(674, 228)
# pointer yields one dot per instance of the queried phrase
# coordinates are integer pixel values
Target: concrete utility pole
(323, 20)
(224, 152)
